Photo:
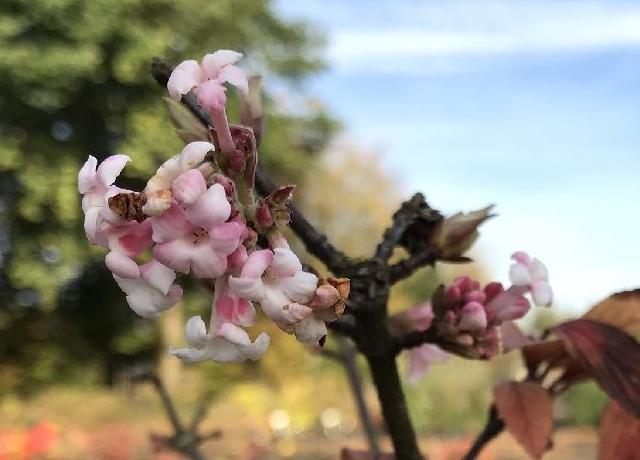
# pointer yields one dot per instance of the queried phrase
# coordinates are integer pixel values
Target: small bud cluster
(468, 319)
(198, 215)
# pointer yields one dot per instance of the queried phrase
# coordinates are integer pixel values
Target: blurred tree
(75, 81)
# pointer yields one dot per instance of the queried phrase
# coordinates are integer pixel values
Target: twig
(348, 359)
(402, 219)
(492, 428)
(415, 339)
(407, 267)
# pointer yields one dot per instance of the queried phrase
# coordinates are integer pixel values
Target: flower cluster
(190, 220)
(472, 321)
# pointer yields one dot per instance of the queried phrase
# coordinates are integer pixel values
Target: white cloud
(443, 33)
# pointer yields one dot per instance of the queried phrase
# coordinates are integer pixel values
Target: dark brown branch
(345, 325)
(394, 406)
(493, 428)
(402, 219)
(348, 359)
(315, 242)
(407, 267)
(415, 339)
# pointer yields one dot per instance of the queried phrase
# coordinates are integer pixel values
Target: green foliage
(583, 404)
(75, 81)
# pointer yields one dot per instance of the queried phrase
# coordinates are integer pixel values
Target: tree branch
(345, 325)
(415, 339)
(402, 219)
(493, 428)
(407, 267)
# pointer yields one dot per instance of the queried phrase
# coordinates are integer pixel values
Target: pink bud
(473, 317)
(325, 296)
(465, 339)
(475, 296)
(237, 259)
(452, 296)
(226, 183)
(492, 290)
(463, 283)
(188, 186)
(263, 215)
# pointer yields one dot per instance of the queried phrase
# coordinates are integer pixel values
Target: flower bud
(473, 317)
(456, 234)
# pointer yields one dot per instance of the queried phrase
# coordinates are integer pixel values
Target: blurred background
(531, 105)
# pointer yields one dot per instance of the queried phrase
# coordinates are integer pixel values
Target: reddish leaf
(621, 310)
(619, 434)
(351, 454)
(610, 355)
(543, 354)
(526, 410)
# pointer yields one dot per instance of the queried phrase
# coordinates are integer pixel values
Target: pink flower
(95, 183)
(149, 288)
(207, 79)
(532, 274)
(159, 188)
(284, 290)
(420, 359)
(225, 342)
(197, 237)
(231, 308)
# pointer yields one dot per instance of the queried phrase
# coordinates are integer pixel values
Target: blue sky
(531, 105)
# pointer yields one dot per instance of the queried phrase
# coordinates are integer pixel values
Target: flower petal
(190, 355)
(235, 76)
(538, 270)
(212, 96)
(110, 168)
(248, 288)
(185, 76)
(92, 222)
(130, 239)
(121, 265)
(170, 225)
(196, 332)
(522, 258)
(519, 275)
(541, 293)
(188, 187)
(257, 263)
(225, 237)
(300, 287)
(211, 209)
(508, 305)
(87, 175)
(285, 262)
(206, 262)
(175, 254)
(213, 63)
(310, 330)
(157, 275)
(194, 153)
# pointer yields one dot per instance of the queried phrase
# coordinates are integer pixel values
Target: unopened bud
(456, 234)
(263, 215)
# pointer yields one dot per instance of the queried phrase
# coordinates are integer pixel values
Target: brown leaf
(352, 454)
(526, 410)
(610, 355)
(619, 434)
(621, 310)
